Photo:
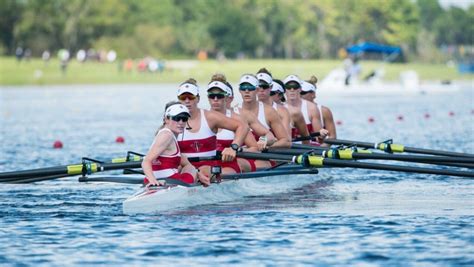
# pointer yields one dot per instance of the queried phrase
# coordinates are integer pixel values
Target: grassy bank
(36, 71)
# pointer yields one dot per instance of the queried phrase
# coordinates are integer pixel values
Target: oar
(311, 136)
(389, 147)
(350, 154)
(75, 169)
(318, 162)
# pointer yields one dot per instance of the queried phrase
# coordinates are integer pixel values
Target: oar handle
(311, 136)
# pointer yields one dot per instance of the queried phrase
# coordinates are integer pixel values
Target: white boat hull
(175, 197)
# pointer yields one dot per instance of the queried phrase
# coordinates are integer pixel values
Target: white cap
(188, 88)
(247, 78)
(307, 87)
(220, 85)
(276, 87)
(265, 77)
(292, 78)
(176, 109)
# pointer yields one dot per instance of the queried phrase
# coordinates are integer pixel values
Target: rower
(295, 120)
(199, 138)
(308, 92)
(265, 114)
(277, 93)
(308, 109)
(220, 95)
(164, 156)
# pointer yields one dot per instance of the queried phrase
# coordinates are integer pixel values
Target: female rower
(265, 114)
(220, 96)
(277, 93)
(308, 109)
(164, 158)
(199, 138)
(295, 120)
(308, 92)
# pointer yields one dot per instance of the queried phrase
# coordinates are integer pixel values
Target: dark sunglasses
(247, 87)
(264, 86)
(303, 93)
(178, 118)
(274, 93)
(215, 95)
(183, 97)
(292, 86)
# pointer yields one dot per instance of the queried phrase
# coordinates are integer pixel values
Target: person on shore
(308, 92)
(164, 158)
(199, 137)
(298, 105)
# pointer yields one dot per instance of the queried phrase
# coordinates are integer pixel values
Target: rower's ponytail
(264, 70)
(219, 77)
(313, 80)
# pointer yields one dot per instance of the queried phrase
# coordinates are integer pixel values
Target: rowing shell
(172, 197)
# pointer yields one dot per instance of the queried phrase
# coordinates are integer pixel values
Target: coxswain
(164, 158)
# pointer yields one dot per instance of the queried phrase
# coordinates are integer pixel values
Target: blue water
(345, 217)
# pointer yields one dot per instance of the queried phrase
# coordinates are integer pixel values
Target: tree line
(234, 28)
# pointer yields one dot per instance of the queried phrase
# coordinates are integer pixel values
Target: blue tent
(373, 48)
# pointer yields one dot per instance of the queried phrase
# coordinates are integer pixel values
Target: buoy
(400, 117)
(371, 119)
(57, 144)
(427, 115)
(451, 113)
(119, 139)
(338, 122)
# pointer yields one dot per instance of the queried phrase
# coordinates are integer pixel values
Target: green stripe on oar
(397, 148)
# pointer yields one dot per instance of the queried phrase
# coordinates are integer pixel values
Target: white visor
(188, 88)
(276, 87)
(220, 85)
(307, 87)
(265, 77)
(246, 78)
(176, 109)
(292, 78)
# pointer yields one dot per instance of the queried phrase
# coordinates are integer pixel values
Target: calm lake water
(345, 217)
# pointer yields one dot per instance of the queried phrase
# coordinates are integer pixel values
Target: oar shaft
(377, 166)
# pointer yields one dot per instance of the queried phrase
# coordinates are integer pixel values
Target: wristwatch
(235, 147)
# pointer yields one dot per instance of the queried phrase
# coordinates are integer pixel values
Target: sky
(459, 3)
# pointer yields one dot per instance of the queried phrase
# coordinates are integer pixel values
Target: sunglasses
(183, 97)
(292, 86)
(179, 118)
(264, 86)
(303, 93)
(275, 93)
(247, 87)
(215, 95)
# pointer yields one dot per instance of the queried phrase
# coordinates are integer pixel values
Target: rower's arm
(217, 121)
(249, 142)
(285, 119)
(277, 127)
(160, 144)
(300, 125)
(329, 122)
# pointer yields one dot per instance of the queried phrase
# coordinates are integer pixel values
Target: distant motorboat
(409, 84)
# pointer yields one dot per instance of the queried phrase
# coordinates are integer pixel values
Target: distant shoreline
(36, 72)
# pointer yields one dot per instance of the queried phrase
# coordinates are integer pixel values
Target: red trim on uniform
(253, 166)
(184, 177)
(205, 163)
(232, 164)
(221, 144)
(197, 146)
